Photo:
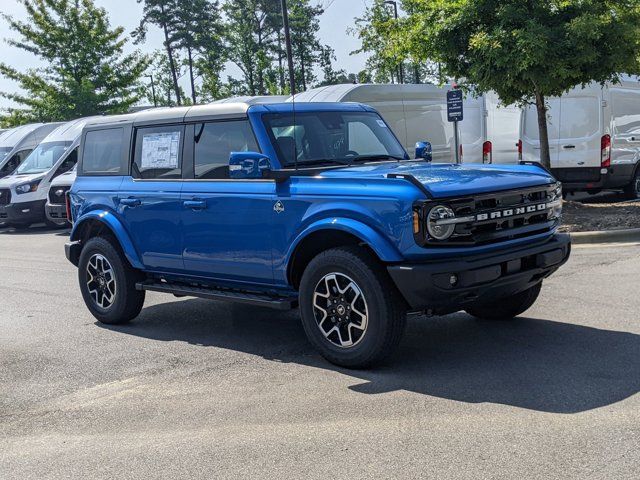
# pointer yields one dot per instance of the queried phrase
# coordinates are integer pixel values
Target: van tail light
(67, 204)
(487, 152)
(519, 145)
(605, 151)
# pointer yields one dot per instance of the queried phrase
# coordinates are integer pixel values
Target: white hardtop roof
(162, 114)
(70, 131)
(366, 92)
(259, 99)
(12, 137)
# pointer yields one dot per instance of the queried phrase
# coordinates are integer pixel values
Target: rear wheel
(108, 282)
(632, 190)
(351, 311)
(507, 308)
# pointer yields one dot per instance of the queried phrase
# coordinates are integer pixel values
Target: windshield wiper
(375, 158)
(323, 161)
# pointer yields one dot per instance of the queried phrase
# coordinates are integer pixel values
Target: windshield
(43, 158)
(3, 152)
(332, 138)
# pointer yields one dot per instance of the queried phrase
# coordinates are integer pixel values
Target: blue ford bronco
(315, 206)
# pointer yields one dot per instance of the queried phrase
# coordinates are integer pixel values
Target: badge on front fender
(278, 207)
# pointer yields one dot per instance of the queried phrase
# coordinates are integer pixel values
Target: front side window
(215, 141)
(332, 138)
(43, 158)
(68, 163)
(102, 152)
(158, 153)
(4, 152)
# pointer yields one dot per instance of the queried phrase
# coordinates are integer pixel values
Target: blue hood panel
(448, 180)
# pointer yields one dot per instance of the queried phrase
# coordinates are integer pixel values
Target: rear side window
(102, 152)
(158, 153)
(214, 142)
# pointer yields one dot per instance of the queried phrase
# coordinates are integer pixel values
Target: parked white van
(594, 137)
(488, 133)
(17, 143)
(56, 206)
(23, 194)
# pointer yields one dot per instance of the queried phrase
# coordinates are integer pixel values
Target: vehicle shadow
(542, 365)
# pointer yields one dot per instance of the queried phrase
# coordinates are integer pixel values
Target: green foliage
(86, 72)
(524, 50)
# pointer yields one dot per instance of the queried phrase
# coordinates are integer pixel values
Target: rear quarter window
(102, 152)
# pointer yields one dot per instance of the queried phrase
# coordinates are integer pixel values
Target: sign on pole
(454, 106)
(455, 114)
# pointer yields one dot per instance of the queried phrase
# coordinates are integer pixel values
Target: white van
(23, 194)
(17, 143)
(56, 206)
(488, 133)
(594, 137)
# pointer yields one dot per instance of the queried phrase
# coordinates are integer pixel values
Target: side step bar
(184, 290)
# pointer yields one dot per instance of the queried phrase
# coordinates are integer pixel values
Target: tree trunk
(302, 71)
(172, 64)
(193, 84)
(280, 63)
(545, 156)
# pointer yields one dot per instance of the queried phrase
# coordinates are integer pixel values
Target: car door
(149, 198)
(226, 223)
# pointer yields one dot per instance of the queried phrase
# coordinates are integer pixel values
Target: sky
(334, 23)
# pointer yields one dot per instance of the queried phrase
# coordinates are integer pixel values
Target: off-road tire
(632, 191)
(385, 307)
(128, 301)
(506, 308)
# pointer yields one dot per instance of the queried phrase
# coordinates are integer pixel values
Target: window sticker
(381, 123)
(160, 150)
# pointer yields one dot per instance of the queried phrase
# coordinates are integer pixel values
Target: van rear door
(580, 130)
(531, 136)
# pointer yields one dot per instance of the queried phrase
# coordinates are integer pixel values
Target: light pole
(287, 41)
(395, 12)
(153, 91)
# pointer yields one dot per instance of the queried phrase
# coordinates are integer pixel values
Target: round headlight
(440, 232)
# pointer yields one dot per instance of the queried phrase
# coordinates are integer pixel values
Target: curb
(608, 236)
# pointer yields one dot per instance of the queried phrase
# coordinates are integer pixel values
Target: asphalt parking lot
(197, 389)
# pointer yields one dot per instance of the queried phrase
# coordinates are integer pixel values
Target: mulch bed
(586, 217)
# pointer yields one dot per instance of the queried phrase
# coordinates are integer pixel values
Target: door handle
(569, 146)
(195, 204)
(130, 202)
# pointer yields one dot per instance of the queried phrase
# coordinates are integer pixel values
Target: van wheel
(507, 308)
(351, 311)
(108, 283)
(632, 191)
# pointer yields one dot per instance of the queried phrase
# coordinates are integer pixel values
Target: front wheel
(108, 283)
(506, 308)
(351, 311)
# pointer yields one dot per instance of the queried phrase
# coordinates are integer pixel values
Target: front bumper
(56, 213)
(478, 278)
(23, 212)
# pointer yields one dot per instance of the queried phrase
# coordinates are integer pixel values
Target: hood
(66, 179)
(447, 180)
(15, 180)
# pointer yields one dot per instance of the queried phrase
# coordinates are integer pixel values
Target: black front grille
(57, 195)
(495, 217)
(5, 196)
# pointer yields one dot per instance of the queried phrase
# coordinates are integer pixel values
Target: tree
(307, 51)
(160, 71)
(382, 61)
(161, 13)
(196, 29)
(86, 72)
(526, 51)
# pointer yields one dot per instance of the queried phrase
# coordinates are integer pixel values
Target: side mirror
(248, 165)
(424, 151)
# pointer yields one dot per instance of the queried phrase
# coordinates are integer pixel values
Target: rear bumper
(480, 278)
(579, 179)
(56, 213)
(23, 212)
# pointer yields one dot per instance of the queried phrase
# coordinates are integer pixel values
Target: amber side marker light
(416, 222)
